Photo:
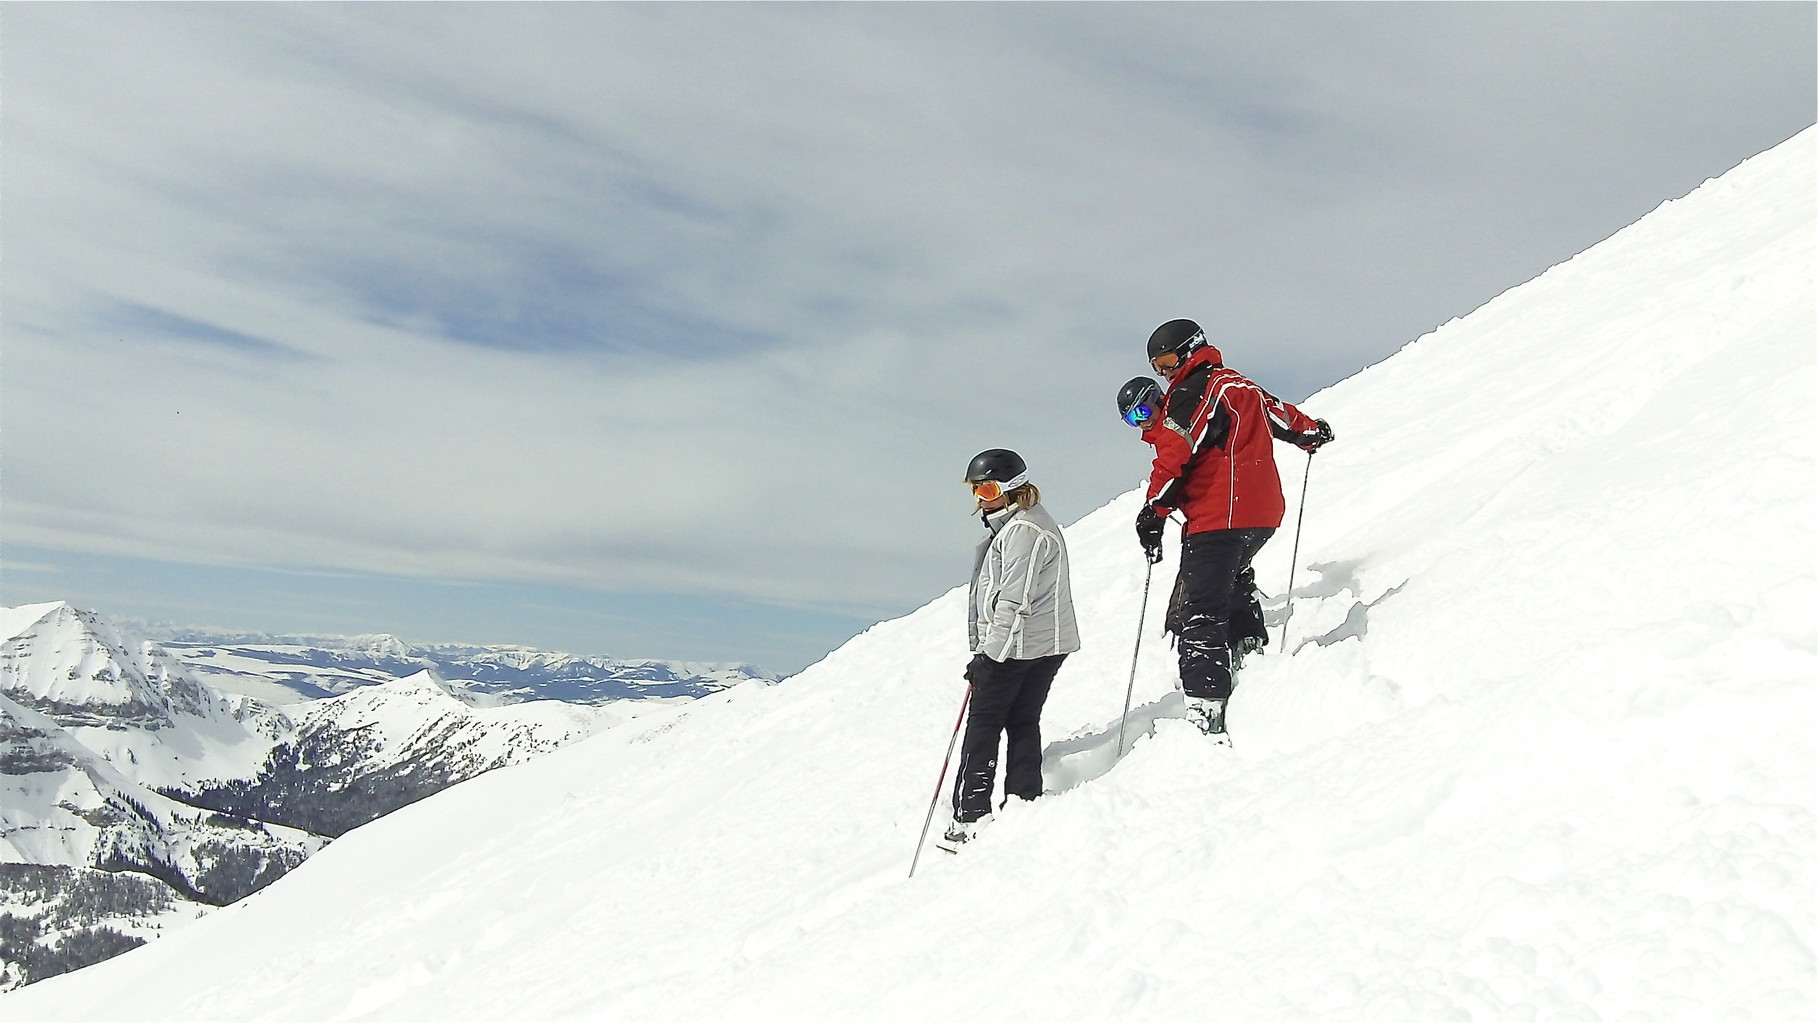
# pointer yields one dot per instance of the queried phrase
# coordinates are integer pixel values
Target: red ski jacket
(1214, 447)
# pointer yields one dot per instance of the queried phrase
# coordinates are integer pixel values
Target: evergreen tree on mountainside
(317, 783)
(71, 901)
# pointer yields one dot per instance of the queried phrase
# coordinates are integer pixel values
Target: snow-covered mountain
(68, 806)
(97, 736)
(1540, 746)
(284, 669)
(115, 759)
(352, 758)
(128, 700)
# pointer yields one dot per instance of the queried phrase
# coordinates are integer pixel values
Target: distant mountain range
(284, 669)
(143, 782)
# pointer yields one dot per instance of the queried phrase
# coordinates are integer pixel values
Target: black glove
(978, 669)
(1319, 438)
(1149, 532)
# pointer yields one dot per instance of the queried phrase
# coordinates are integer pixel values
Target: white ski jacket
(1022, 600)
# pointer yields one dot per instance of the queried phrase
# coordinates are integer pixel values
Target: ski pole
(1131, 688)
(1294, 559)
(942, 783)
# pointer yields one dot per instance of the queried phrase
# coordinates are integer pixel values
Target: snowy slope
(1543, 748)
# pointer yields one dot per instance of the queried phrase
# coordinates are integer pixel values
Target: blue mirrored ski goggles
(1140, 413)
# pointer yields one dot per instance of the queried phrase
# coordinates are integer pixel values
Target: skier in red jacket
(1213, 435)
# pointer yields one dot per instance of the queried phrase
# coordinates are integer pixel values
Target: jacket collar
(1205, 358)
(996, 520)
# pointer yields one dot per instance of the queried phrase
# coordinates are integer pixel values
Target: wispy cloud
(144, 324)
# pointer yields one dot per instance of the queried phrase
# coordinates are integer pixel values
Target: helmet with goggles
(1139, 402)
(1178, 336)
(996, 472)
(1172, 342)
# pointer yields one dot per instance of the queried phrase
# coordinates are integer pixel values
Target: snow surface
(1543, 748)
(14, 620)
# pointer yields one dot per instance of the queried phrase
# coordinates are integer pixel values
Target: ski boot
(1208, 716)
(961, 832)
(1244, 648)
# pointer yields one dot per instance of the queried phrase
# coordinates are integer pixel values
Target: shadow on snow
(1074, 761)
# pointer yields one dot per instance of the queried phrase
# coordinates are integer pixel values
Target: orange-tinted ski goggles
(991, 490)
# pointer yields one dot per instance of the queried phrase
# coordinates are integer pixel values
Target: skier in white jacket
(1020, 628)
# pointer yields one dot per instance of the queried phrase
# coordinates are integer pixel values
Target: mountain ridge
(287, 668)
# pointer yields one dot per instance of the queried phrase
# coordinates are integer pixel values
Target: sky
(668, 330)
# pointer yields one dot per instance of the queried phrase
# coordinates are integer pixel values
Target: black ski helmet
(1139, 401)
(1181, 336)
(1000, 464)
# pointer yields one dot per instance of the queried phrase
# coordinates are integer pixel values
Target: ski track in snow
(1543, 748)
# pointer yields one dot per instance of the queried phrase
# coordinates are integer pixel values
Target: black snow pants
(1213, 606)
(1007, 699)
